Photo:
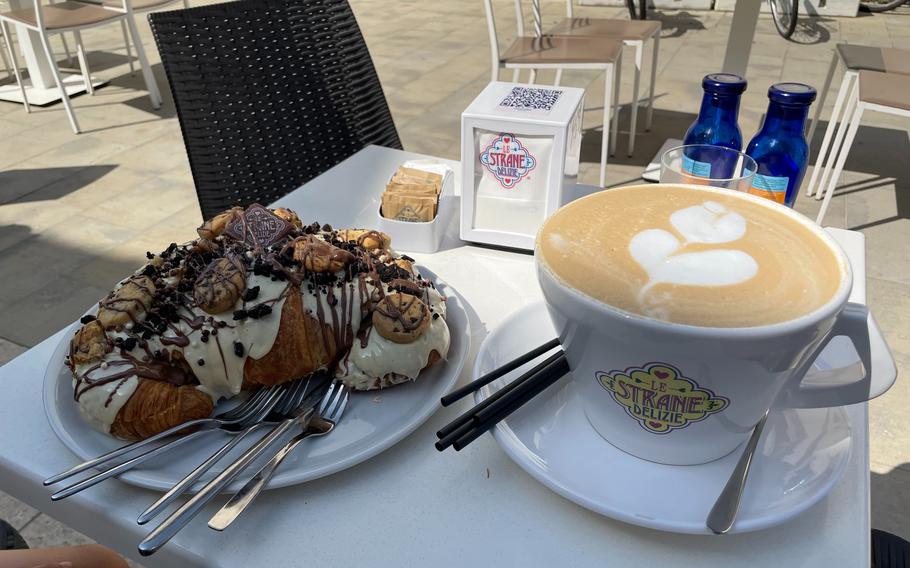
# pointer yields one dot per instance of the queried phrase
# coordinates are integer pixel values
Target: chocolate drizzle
(371, 234)
(341, 276)
(397, 310)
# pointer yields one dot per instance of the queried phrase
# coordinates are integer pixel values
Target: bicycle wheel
(880, 6)
(784, 15)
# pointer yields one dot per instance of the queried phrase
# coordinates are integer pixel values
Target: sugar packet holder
(423, 236)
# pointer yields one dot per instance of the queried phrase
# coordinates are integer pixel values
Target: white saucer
(801, 456)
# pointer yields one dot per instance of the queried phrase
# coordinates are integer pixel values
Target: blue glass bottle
(780, 148)
(716, 125)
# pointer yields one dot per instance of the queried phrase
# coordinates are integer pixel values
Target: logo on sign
(660, 398)
(508, 160)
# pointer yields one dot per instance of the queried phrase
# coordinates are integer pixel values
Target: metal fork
(258, 404)
(292, 397)
(330, 410)
(186, 512)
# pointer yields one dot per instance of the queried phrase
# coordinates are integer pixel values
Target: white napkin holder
(520, 148)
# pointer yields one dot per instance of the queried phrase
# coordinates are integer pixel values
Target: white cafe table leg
(742, 32)
(40, 86)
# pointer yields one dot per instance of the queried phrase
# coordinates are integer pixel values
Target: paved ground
(78, 212)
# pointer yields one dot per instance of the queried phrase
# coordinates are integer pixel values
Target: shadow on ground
(666, 124)
(811, 30)
(38, 300)
(98, 61)
(878, 154)
(676, 24)
(21, 185)
(890, 495)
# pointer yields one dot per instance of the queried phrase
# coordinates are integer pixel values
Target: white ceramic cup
(681, 395)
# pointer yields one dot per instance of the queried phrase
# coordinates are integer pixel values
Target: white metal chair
(4, 54)
(634, 34)
(875, 91)
(138, 7)
(557, 52)
(854, 59)
(73, 16)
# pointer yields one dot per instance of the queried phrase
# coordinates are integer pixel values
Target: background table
(413, 506)
(40, 87)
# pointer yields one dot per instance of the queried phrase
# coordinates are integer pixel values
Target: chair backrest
(491, 28)
(270, 94)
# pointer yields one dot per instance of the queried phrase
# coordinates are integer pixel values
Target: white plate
(801, 456)
(372, 423)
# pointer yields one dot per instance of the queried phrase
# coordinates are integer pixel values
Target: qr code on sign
(531, 99)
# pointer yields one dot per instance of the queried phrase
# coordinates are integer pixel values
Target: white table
(413, 506)
(40, 87)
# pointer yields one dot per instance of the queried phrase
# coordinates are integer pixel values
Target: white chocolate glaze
(215, 362)
(435, 300)
(347, 303)
(381, 357)
(94, 407)
(221, 374)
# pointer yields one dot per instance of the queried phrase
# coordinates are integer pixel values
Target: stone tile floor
(78, 212)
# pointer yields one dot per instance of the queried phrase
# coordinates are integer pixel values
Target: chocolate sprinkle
(263, 244)
(259, 311)
(251, 294)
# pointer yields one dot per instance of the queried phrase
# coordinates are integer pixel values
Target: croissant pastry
(258, 299)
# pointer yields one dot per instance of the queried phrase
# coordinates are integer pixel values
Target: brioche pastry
(258, 299)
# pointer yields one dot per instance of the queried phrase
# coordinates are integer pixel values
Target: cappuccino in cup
(685, 312)
(690, 256)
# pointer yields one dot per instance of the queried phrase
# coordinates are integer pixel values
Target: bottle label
(696, 168)
(770, 187)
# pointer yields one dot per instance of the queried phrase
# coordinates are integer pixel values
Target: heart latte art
(693, 256)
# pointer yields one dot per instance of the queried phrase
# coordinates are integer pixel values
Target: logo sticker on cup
(660, 398)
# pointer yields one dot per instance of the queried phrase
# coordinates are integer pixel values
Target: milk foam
(701, 257)
(709, 222)
(656, 250)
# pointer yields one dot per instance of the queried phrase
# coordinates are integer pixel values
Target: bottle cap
(723, 84)
(791, 93)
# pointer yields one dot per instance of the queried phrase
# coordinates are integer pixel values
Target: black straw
(515, 400)
(476, 384)
(447, 432)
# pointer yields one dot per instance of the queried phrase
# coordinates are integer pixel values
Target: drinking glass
(705, 164)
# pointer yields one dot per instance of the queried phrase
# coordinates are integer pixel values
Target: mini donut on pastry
(258, 299)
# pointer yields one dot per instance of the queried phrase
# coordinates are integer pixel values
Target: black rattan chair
(270, 94)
